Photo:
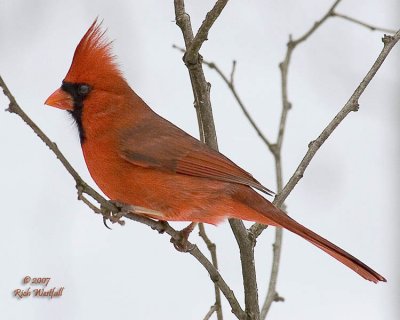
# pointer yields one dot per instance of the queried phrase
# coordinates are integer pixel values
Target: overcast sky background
(349, 194)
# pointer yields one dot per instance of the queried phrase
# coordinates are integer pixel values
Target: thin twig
(272, 294)
(86, 201)
(210, 312)
(213, 251)
(246, 249)
(351, 105)
(362, 23)
(292, 44)
(317, 24)
(83, 187)
(15, 108)
(277, 152)
(278, 201)
(195, 252)
(201, 88)
(192, 51)
(230, 84)
(204, 113)
(232, 79)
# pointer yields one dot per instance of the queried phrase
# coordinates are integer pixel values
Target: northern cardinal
(138, 158)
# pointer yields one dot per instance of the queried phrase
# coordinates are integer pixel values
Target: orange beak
(60, 99)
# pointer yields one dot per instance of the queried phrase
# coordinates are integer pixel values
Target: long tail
(333, 250)
(262, 211)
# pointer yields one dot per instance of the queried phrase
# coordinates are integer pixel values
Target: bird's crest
(93, 61)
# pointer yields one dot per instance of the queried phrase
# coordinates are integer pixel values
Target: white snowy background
(349, 194)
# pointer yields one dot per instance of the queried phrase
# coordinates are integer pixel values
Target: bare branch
(210, 312)
(276, 150)
(213, 251)
(233, 72)
(195, 252)
(317, 24)
(204, 113)
(183, 21)
(86, 201)
(160, 226)
(246, 248)
(351, 105)
(286, 105)
(231, 86)
(201, 88)
(362, 23)
(273, 278)
(15, 108)
(192, 52)
(292, 44)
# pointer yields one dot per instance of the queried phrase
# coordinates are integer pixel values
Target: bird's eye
(83, 89)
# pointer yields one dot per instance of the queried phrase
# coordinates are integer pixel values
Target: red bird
(138, 158)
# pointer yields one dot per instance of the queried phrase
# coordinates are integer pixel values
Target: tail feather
(254, 207)
(333, 250)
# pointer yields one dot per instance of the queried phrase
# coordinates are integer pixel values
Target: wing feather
(168, 148)
(217, 167)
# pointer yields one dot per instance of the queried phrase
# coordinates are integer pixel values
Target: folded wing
(166, 147)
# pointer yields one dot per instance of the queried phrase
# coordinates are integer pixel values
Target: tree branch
(317, 24)
(361, 23)
(213, 309)
(246, 248)
(204, 113)
(351, 105)
(15, 108)
(213, 251)
(195, 252)
(272, 295)
(201, 88)
(284, 66)
(192, 51)
(231, 86)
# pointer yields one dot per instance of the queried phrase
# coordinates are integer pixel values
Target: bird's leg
(185, 232)
(182, 244)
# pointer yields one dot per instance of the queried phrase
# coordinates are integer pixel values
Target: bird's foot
(115, 216)
(163, 228)
(181, 243)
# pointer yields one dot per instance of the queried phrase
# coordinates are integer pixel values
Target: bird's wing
(163, 146)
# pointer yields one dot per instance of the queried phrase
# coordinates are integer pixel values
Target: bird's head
(93, 69)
